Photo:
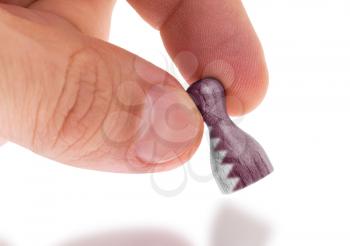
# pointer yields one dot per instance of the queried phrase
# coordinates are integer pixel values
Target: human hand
(67, 94)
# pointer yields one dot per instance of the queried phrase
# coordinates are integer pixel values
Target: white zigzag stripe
(222, 170)
(214, 142)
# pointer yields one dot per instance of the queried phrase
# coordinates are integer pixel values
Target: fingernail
(174, 125)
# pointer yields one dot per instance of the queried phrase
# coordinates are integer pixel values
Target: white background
(303, 125)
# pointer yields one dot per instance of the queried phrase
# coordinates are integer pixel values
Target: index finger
(212, 39)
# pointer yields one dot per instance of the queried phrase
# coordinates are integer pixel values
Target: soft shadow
(3, 243)
(232, 226)
(139, 237)
(236, 227)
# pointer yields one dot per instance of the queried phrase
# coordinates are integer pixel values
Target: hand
(67, 94)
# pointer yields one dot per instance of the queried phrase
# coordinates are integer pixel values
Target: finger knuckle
(83, 103)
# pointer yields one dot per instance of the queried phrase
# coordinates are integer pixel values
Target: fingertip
(176, 160)
(174, 127)
(209, 39)
(212, 39)
(249, 90)
(169, 127)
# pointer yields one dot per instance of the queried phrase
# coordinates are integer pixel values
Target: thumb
(84, 102)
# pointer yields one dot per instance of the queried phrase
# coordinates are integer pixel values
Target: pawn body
(237, 159)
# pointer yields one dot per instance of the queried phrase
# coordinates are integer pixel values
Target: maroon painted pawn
(237, 159)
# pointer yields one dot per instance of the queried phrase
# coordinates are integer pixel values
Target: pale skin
(69, 95)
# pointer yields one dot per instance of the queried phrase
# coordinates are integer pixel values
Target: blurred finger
(212, 39)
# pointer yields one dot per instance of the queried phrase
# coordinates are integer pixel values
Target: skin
(69, 95)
